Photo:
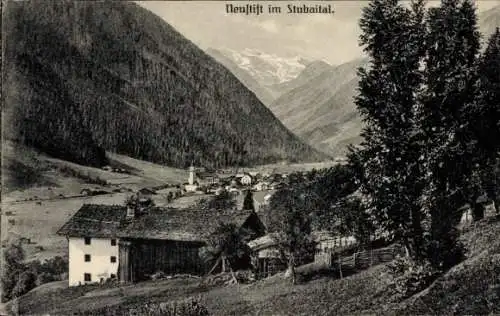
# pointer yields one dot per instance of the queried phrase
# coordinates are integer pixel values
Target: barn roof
(107, 221)
(95, 220)
(269, 240)
(263, 242)
(206, 174)
(147, 191)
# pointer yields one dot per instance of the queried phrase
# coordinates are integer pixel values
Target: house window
(87, 258)
(113, 259)
(113, 242)
(86, 277)
(87, 240)
(113, 276)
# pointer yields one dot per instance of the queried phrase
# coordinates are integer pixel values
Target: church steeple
(191, 175)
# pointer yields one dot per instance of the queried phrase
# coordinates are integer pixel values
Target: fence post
(340, 266)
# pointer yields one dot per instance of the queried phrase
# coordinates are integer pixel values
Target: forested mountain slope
(84, 77)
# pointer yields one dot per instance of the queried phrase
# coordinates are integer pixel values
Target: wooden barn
(113, 241)
(266, 257)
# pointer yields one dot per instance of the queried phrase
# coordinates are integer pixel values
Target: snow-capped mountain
(267, 69)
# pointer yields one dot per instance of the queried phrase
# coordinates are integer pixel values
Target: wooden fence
(359, 260)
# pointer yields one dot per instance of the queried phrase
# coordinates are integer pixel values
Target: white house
(261, 186)
(246, 179)
(261, 199)
(92, 259)
(93, 252)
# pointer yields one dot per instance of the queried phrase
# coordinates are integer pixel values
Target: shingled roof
(108, 221)
(95, 221)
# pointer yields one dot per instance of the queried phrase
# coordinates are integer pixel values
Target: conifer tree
(486, 114)
(248, 201)
(392, 178)
(450, 77)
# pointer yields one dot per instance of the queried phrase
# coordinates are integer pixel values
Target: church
(200, 178)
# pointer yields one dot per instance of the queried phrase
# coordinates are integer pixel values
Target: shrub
(44, 277)
(19, 277)
(446, 251)
(408, 277)
(13, 257)
(25, 283)
(190, 306)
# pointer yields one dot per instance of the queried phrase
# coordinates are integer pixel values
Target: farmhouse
(113, 241)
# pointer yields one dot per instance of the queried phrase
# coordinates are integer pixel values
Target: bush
(81, 175)
(19, 277)
(190, 306)
(12, 268)
(446, 251)
(408, 277)
(44, 277)
(25, 283)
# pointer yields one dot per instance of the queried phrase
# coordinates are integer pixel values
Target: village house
(485, 208)
(207, 178)
(146, 193)
(115, 241)
(261, 186)
(261, 199)
(246, 179)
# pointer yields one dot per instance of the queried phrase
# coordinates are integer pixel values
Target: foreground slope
(84, 77)
(470, 288)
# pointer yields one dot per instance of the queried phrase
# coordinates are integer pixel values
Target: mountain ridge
(260, 91)
(312, 70)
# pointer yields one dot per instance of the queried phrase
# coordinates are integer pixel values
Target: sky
(329, 37)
